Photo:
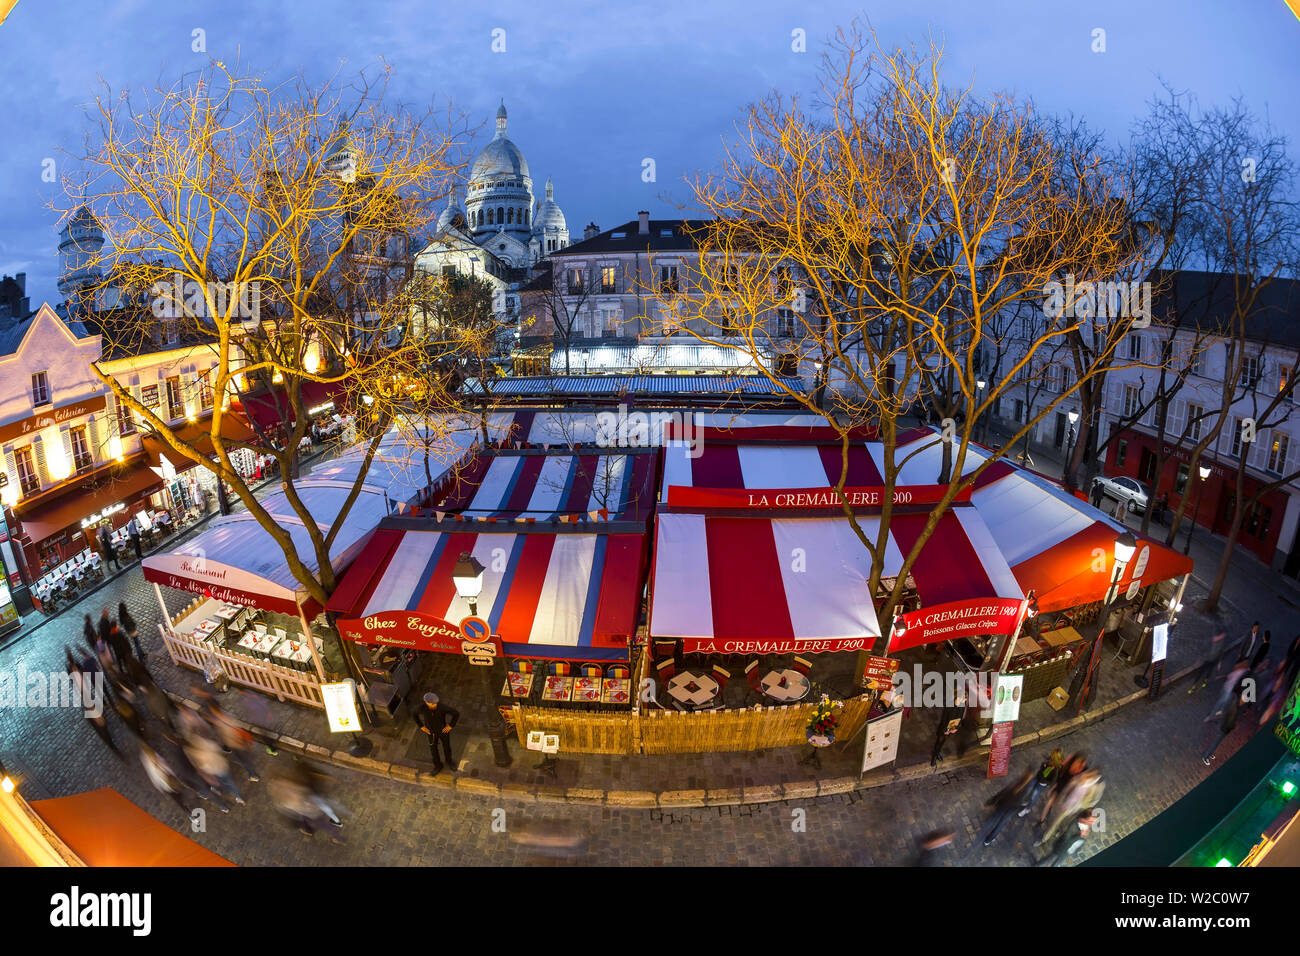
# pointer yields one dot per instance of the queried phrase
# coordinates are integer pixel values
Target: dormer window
(40, 389)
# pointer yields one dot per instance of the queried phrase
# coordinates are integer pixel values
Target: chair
(802, 665)
(664, 649)
(753, 674)
(666, 669)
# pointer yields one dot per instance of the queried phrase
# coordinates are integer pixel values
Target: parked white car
(1128, 490)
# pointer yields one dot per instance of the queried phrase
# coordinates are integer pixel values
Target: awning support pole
(162, 605)
(311, 642)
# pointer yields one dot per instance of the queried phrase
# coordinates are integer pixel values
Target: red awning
(104, 828)
(196, 434)
(269, 409)
(545, 595)
(49, 518)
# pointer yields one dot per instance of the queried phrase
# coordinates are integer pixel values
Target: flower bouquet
(822, 721)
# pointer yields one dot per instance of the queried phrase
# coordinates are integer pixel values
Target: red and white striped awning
(545, 595)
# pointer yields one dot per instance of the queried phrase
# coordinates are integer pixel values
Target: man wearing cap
(436, 720)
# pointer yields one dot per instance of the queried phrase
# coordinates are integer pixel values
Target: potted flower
(822, 721)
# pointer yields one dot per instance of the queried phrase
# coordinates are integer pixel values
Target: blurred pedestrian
(263, 721)
(99, 724)
(1246, 647)
(1232, 685)
(127, 623)
(1002, 805)
(1228, 722)
(106, 550)
(1071, 839)
(1083, 790)
(1047, 771)
(1275, 695)
(1210, 664)
(164, 779)
(933, 848)
(235, 740)
(1261, 653)
(206, 756)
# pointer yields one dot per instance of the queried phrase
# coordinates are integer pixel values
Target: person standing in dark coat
(1246, 649)
(950, 720)
(436, 719)
(1210, 665)
(106, 548)
(133, 532)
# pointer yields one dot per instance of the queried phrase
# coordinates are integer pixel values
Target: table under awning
(198, 435)
(44, 519)
(549, 595)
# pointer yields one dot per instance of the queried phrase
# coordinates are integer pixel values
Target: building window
(1195, 414)
(574, 281)
(607, 280)
(1131, 402)
(667, 280)
(1265, 518)
(125, 420)
(1027, 329)
(1121, 453)
(1180, 483)
(1283, 379)
(81, 459)
(490, 222)
(448, 271)
(785, 323)
(1236, 438)
(27, 480)
(1277, 453)
(40, 389)
(1196, 364)
(1135, 348)
(205, 390)
(1249, 371)
(501, 215)
(175, 403)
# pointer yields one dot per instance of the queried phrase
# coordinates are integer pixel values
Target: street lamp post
(1069, 452)
(467, 575)
(979, 400)
(1200, 490)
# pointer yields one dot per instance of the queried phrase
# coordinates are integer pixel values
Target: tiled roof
(664, 234)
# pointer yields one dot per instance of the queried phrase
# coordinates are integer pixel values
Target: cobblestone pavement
(1149, 752)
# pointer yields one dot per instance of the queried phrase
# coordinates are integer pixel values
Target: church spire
(501, 119)
(550, 190)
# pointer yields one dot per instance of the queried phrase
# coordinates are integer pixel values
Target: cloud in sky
(594, 88)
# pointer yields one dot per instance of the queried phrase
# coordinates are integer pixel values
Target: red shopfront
(1136, 455)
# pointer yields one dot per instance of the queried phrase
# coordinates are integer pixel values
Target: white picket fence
(285, 683)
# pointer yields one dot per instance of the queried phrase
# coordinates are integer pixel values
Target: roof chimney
(643, 217)
(591, 231)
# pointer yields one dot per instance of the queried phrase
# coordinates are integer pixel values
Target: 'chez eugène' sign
(779, 499)
(51, 416)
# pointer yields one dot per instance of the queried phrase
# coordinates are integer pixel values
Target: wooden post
(162, 605)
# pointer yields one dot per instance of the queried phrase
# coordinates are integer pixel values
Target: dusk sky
(594, 88)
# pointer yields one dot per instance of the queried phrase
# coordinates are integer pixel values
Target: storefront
(1213, 500)
(58, 524)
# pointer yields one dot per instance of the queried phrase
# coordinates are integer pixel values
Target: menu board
(1000, 749)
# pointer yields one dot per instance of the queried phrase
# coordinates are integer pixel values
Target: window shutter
(97, 453)
(11, 467)
(38, 455)
(67, 443)
(1290, 456)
